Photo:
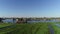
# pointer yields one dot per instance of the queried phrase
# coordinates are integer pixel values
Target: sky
(29, 8)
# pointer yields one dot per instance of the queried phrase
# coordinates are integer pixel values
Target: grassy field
(34, 28)
(38, 28)
(56, 28)
(5, 27)
(5, 24)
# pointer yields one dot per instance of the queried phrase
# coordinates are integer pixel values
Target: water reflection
(44, 21)
(58, 25)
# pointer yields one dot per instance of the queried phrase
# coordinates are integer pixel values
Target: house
(22, 20)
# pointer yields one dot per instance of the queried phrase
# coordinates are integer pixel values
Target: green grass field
(5, 24)
(34, 28)
(56, 28)
(37, 28)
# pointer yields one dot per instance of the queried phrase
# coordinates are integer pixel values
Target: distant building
(21, 20)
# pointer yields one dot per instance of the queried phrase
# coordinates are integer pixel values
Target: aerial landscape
(29, 16)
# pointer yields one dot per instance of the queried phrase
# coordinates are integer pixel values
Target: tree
(1, 20)
(14, 20)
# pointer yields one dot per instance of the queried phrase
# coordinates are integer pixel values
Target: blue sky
(29, 8)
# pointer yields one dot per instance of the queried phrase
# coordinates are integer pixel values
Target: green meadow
(56, 27)
(33, 28)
